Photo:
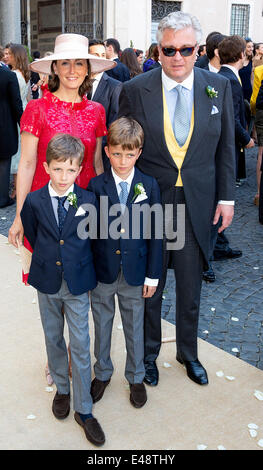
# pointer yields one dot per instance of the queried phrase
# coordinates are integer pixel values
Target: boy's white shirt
(148, 281)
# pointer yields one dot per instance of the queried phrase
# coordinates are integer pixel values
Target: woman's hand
(16, 232)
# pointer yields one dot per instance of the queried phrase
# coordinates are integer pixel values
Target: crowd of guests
(78, 111)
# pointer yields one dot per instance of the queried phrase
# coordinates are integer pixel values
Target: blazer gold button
(118, 252)
(58, 263)
(61, 242)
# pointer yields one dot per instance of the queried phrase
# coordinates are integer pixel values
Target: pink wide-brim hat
(72, 46)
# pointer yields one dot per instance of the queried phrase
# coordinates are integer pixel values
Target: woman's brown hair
(21, 60)
(54, 82)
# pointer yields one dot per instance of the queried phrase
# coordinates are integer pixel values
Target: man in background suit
(11, 110)
(193, 161)
(121, 71)
(106, 91)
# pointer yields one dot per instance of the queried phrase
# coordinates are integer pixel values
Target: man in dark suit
(193, 161)
(106, 91)
(11, 111)
(121, 71)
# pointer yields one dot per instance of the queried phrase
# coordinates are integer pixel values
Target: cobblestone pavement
(231, 313)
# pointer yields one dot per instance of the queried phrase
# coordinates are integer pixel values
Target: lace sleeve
(32, 120)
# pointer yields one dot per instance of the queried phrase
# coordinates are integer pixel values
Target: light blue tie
(181, 124)
(123, 196)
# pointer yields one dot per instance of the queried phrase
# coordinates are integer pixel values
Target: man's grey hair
(179, 20)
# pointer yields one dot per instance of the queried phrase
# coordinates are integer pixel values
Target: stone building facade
(133, 22)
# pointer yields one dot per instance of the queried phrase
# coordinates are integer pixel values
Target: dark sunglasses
(184, 51)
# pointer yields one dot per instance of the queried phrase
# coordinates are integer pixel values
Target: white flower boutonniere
(139, 191)
(72, 199)
(211, 92)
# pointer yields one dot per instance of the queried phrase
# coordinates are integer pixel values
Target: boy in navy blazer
(62, 271)
(127, 257)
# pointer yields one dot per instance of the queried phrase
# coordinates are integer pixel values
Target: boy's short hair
(64, 147)
(126, 132)
(231, 48)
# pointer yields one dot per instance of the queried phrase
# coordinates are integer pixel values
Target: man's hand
(250, 144)
(226, 212)
(148, 291)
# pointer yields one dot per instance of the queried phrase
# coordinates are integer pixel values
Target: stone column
(10, 22)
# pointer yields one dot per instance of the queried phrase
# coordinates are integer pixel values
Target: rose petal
(166, 365)
(31, 416)
(213, 309)
(253, 432)
(252, 426)
(256, 267)
(235, 350)
(220, 373)
(201, 447)
(206, 332)
(49, 389)
(34, 301)
(234, 319)
(220, 447)
(230, 377)
(258, 394)
(260, 442)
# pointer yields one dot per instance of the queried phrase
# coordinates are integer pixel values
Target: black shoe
(9, 203)
(151, 374)
(92, 429)
(209, 275)
(195, 371)
(97, 389)
(61, 406)
(138, 395)
(228, 254)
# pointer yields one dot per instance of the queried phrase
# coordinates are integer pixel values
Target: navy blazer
(56, 254)
(119, 72)
(139, 257)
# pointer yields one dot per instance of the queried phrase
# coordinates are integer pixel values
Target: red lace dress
(48, 116)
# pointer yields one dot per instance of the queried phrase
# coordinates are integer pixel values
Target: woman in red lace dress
(63, 108)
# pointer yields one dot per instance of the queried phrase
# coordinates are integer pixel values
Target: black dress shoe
(209, 275)
(92, 429)
(61, 406)
(151, 374)
(228, 254)
(195, 371)
(97, 389)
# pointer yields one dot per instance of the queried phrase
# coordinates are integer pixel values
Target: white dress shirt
(148, 281)
(96, 82)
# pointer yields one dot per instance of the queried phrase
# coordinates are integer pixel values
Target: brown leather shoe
(97, 389)
(138, 396)
(92, 429)
(61, 406)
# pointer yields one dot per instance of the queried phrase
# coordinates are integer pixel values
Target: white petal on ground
(230, 377)
(260, 443)
(166, 365)
(206, 332)
(256, 267)
(220, 447)
(234, 319)
(235, 350)
(49, 389)
(220, 373)
(34, 301)
(252, 426)
(31, 416)
(213, 309)
(253, 433)
(258, 394)
(201, 447)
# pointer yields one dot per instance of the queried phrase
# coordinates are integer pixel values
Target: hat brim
(97, 64)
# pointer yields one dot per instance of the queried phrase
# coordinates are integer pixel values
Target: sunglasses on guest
(184, 51)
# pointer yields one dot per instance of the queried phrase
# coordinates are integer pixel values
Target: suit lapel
(47, 209)
(110, 188)
(202, 112)
(100, 88)
(136, 179)
(72, 211)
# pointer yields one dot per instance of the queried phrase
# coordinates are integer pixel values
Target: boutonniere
(211, 92)
(72, 199)
(138, 191)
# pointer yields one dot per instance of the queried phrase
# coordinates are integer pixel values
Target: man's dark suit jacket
(56, 254)
(11, 110)
(107, 94)
(242, 137)
(208, 170)
(140, 257)
(120, 72)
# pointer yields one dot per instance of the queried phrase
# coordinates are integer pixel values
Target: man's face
(178, 67)
(98, 50)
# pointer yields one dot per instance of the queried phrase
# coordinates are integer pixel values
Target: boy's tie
(124, 192)
(62, 212)
(181, 122)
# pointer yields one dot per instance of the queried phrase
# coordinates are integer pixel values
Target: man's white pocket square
(80, 211)
(140, 197)
(214, 110)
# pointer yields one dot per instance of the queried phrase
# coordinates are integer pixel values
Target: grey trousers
(131, 304)
(76, 313)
